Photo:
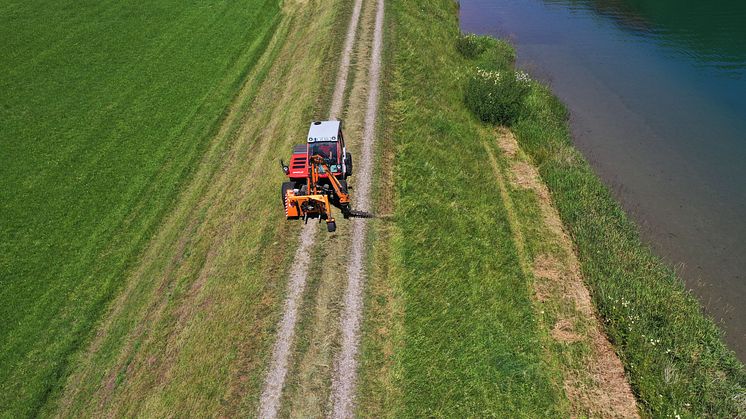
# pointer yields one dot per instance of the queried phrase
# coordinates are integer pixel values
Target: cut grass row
(106, 109)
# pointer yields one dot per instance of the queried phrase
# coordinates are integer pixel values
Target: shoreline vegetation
(673, 354)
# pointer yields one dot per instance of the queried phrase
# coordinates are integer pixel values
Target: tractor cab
(324, 139)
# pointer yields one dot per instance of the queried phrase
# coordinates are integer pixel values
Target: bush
(470, 45)
(497, 97)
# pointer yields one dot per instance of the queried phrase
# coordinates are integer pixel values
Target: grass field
(193, 327)
(105, 108)
(452, 329)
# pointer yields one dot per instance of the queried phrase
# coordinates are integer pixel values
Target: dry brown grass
(594, 378)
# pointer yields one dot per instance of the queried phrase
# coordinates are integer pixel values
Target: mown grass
(193, 329)
(673, 354)
(467, 342)
(106, 108)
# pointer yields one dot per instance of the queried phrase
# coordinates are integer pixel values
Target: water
(657, 95)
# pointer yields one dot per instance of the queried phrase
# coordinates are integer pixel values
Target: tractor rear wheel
(348, 164)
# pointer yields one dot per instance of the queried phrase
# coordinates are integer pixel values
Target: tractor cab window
(325, 150)
(328, 150)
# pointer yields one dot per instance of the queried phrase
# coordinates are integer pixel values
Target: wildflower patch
(497, 97)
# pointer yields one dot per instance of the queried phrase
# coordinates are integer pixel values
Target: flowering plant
(497, 97)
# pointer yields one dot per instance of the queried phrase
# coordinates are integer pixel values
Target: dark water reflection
(711, 33)
(657, 93)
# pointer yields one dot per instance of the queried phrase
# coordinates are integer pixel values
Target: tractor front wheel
(331, 226)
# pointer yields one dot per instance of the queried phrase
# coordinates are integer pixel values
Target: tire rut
(269, 403)
(343, 384)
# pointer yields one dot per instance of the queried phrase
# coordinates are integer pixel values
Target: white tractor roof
(323, 131)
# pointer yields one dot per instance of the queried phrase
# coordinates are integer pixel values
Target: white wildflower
(522, 76)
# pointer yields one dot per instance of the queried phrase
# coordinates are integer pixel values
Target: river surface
(657, 95)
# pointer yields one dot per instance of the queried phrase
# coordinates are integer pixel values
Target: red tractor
(318, 173)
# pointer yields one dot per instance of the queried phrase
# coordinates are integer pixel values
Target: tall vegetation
(494, 91)
(497, 97)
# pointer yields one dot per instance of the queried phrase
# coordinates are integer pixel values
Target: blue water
(657, 95)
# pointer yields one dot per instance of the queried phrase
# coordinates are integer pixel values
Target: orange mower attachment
(318, 173)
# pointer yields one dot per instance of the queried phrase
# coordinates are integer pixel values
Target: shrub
(497, 97)
(470, 45)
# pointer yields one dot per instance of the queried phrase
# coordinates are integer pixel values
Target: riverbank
(673, 354)
(464, 317)
(658, 116)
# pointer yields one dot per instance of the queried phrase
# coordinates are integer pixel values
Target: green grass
(470, 341)
(105, 108)
(673, 354)
(192, 330)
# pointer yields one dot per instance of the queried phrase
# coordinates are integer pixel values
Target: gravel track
(343, 382)
(269, 404)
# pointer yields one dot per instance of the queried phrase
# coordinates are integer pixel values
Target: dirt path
(343, 385)
(270, 400)
(344, 65)
(308, 388)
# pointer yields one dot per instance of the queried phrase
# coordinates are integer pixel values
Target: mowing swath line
(344, 64)
(343, 384)
(269, 403)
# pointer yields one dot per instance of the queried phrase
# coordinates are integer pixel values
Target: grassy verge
(674, 356)
(452, 330)
(106, 109)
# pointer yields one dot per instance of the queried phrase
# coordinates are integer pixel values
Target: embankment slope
(480, 309)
